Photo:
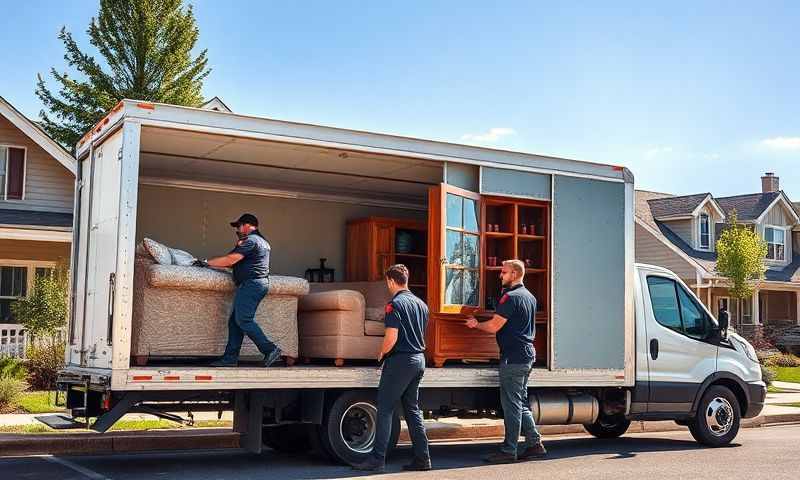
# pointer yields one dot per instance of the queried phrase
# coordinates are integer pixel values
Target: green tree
(740, 257)
(146, 46)
(44, 311)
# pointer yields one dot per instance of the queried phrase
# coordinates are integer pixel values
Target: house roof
(35, 133)
(671, 206)
(27, 218)
(216, 103)
(703, 259)
(748, 207)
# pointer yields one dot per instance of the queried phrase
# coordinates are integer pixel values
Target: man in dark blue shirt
(512, 325)
(250, 262)
(404, 365)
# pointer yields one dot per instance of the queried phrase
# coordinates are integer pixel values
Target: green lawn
(795, 404)
(787, 374)
(123, 425)
(774, 389)
(39, 402)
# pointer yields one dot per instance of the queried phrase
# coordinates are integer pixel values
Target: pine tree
(146, 47)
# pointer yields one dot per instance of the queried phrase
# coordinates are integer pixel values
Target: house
(217, 105)
(37, 185)
(680, 233)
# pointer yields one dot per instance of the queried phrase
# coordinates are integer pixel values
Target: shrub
(44, 311)
(784, 360)
(11, 367)
(10, 389)
(45, 359)
(768, 375)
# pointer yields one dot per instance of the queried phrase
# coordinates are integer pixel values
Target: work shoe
(535, 451)
(500, 457)
(418, 465)
(223, 363)
(272, 357)
(372, 464)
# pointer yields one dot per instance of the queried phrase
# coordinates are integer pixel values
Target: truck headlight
(745, 347)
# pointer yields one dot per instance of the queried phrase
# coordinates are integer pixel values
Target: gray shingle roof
(37, 219)
(748, 207)
(669, 206)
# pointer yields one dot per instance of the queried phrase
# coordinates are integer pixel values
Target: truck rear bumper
(758, 393)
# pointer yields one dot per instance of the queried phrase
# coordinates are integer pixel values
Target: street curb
(444, 432)
(115, 442)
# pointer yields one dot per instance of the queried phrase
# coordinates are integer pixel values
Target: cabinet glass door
(461, 249)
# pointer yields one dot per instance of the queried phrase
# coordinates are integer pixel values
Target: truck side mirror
(724, 321)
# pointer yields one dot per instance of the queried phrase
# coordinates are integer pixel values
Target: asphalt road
(769, 452)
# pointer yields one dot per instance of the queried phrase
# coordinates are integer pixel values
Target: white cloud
(491, 136)
(782, 143)
(656, 151)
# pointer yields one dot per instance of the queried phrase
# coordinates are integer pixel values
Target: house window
(13, 284)
(776, 243)
(705, 232)
(12, 173)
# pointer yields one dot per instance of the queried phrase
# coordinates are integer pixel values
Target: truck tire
(718, 417)
(290, 438)
(348, 430)
(608, 427)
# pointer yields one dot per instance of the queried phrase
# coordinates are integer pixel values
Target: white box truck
(621, 341)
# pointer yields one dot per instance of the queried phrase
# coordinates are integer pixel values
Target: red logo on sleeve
(389, 308)
(503, 299)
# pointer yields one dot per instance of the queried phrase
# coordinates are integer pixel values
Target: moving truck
(616, 341)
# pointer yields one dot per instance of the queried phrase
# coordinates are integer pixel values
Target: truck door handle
(654, 349)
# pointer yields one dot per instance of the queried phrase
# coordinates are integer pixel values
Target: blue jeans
(516, 409)
(400, 379)
(242, 320)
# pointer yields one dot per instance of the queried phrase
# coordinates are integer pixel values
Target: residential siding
(49, 186)
(650, 249)
(683, 229)
(31, 250)
(777, 216)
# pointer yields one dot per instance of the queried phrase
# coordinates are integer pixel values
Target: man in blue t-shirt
(512, 324)
(250, 262)
(404, 365)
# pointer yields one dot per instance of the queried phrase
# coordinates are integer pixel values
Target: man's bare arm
(492, 325)
(228, 260)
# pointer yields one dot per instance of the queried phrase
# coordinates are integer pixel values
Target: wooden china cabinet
(376, 243)
(469, 236)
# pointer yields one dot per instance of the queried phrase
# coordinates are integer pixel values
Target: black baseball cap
(246, 218)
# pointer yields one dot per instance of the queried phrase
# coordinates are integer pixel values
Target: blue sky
(692, 96)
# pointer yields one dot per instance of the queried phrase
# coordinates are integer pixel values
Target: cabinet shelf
(410, 255)
(523, 236)
(499, 234)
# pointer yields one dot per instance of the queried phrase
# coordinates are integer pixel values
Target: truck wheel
(348, 429)
(608, 427)
(291, 438)
(718, 417)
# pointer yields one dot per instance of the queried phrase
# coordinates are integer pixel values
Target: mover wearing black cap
(250, 262)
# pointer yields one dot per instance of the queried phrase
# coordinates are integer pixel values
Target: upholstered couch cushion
(332, 300)
(373, 328)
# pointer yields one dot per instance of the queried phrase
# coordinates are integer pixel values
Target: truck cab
(688, 368)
